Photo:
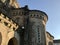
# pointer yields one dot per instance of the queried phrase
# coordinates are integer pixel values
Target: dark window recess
(0, 19)
(31, 15)
(13, 13)
(37, 15)
(13, 28)
(38, 34)
(5, 23)
(34, 15)
(40, 17)
(39, 40)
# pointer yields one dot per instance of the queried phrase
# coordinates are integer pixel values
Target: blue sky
(52, 9)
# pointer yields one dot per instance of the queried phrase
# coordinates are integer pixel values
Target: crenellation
(7, 18)
(11, 21)
(38, 15)
(2, 15)
(2, 21)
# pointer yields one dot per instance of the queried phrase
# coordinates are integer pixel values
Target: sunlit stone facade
(7, 29)
(49, 39)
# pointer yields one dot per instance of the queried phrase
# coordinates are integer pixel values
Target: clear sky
(51, 8)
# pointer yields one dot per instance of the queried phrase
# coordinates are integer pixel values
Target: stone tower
(35, 33)
(34, 22)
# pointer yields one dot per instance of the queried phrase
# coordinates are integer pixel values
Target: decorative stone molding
(38, 15)
(8, 22)
(7, 29)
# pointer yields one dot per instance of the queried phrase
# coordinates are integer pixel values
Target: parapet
(38, 14)
(8, 22)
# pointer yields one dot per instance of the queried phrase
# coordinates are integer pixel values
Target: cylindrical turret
(36, 28)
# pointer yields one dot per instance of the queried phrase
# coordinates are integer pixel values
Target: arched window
(13, 41)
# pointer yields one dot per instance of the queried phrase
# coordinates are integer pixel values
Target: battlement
(38, 14)
(8, 22)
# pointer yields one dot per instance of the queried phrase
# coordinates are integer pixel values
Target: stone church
(22, 26)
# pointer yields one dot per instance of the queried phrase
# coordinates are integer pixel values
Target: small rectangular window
(6, 23)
